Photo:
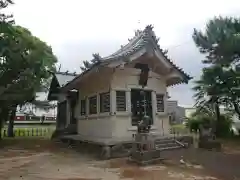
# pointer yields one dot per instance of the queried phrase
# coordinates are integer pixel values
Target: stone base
(145, 157)
(70, 130)
(144, 140)
(210, 145)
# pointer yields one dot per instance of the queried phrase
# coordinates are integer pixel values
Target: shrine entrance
(136, 105)
(61, 114)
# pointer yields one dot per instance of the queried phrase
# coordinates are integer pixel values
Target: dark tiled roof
(64, 77)
(59, 80)
(145, 38)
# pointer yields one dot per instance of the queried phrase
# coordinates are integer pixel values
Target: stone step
(164, 140)
(169, 148)
(168, 144)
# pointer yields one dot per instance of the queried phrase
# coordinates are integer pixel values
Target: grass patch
(30, 132)
(36, 144)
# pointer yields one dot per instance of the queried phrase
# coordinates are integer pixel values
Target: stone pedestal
(207, 140)
(144, 150)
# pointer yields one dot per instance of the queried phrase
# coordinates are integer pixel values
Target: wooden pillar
(87, 106)
(128, 101)
(68, 113)
(98, 103)
(113, 102)
(154, 107)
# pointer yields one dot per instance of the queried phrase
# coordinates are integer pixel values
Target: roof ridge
(138, 34)
(131, 41)
(67, 73)
(149, 33)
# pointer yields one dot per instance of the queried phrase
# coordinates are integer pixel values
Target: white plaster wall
(122, 126)
(126, 79)
(98, 125)
(101, 127)
(118, 124)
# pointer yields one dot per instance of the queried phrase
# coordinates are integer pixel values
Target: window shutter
(121, 100)
(93, 105)
(160, 102)
(83, 107)
(105, 102)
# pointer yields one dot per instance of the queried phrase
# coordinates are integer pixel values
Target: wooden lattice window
(121, 100)
(105, 102)
(160, 103)
(93, 105)
(83, 107)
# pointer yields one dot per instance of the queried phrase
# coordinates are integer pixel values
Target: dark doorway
(73, 98)
(73, 120)
(62, 114)
(137, 105)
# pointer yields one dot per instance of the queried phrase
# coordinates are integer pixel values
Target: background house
(177, 114)
(31, 112)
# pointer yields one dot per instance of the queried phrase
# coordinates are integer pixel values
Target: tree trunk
(237, 109)
(1, 130)
(11, 121)
(217, 111)
(1, 122)
(4, 113)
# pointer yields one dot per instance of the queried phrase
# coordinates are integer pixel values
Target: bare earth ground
(33, 159)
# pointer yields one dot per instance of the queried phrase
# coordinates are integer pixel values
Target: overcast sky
(77, 28)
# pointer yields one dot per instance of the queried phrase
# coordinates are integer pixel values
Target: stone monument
(143, 149)
(207, 139)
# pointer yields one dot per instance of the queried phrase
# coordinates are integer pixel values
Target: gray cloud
(189, 59)
(81, 29)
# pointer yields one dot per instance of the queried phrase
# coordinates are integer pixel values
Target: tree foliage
(89, 64)
(3, 17)
(220, 80)
(25, 63)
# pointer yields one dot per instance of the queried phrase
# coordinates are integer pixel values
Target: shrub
(194, 122)
(223, 126)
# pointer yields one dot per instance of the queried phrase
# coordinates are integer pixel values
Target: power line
(179, 45)
(139, 23)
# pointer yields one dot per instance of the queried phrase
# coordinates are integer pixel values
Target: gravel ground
(47, 161)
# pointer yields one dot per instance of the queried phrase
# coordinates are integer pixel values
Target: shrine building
(102, 102)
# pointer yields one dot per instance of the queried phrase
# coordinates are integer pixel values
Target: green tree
(89, 64)
(3, 17)
(5, 21)
(220, 82)
(25, 65)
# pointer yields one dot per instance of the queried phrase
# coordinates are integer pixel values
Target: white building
(105, 100)
(36, 112)
(176, 113)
